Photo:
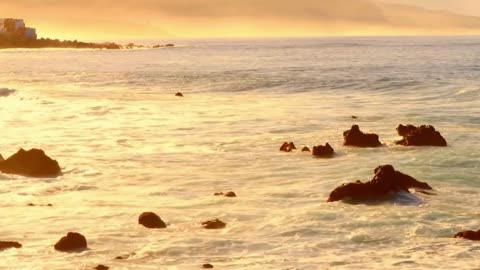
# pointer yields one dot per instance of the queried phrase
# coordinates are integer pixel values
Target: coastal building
(16, 28)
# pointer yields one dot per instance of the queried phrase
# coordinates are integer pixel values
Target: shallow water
(127, 145)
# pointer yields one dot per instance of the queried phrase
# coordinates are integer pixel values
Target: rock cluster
(420, 136)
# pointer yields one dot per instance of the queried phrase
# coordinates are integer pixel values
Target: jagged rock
(420, 136)
(230, 194)
(470, 235)
(151, 221)
(288, 147)
(73, 241)
(355, 137)
(214, 224)
(178, 94)
(9, 244)
(207, 265)
(32, 163)
(385, 182)
(305, 149)
(102, 267)
(323, 151)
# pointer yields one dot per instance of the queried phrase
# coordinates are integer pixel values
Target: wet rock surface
(424, 135)
(214, 224)
(32, 163)
(385, 182)
(323, 151)
(355, 137)
(151, 220)
(469, 235)
(73, 241)
(9, 244)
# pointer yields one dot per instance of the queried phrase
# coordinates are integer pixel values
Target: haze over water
(127, 145)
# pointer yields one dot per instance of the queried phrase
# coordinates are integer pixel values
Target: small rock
(306, 149)
(31, 204)
(214, 224)
(207, 265)
(151, 221)
(288, 147)
(323, 151)
(101, 267)
(50, 205)
(119, 258)
(230, 194)
(355, 137)
(420, 136)
(32, 163)
(9, 244)
(469, 235)
(73, 241)
(178, 94)
(354, 117)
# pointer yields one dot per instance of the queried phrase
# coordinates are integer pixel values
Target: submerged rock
(9, 244)
(355, 137)
(73, 241)
(214, 224)
(178, 94)
(323, 151)
(420, 136)
(230, 194)
(151, 220)
(32, 163)
(207, 265)
(288, 147)
(385, 182)
(470, 235)
(102, 267)
(305, 149)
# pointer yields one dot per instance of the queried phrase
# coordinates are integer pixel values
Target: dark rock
(305, 149)
(420, 136)
(170, 45)
(178, 94)
(1, 158)
(73, 241)
(101, 267)
(354, 117)
(288, 147)
(9, 244)
(355, 137)
(230, 194)
(32, 163)
(50, 205)
(385, 182)
(119, 258)
(470, 235)
(214, 224)
(151, 221)
(31, 204)
(207, 265)
(323, 151)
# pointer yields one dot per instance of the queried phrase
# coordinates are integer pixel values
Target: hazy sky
(119, 19)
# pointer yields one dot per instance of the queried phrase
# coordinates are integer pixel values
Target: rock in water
(151, 221)
(385, 182)
(73, 241)
(178, 94)
(355, 137)
(288, 147)
(32, 163)
(470, 235)
(230, 194)
(214, 224)
(9, 244)
(323, 151)
(207, 265)
(102, 267)
(420, 136)
(305, 149)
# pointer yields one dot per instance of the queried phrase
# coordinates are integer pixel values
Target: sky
(154, 19)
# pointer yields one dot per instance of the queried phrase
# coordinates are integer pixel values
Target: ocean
(127, 145)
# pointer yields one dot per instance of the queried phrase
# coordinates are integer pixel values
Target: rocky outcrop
(214, 224)
(288, 147)
(420, 136)
(178, 94)
(323, 151)
(355, 137)
(9, 244)
(385, 182)
(73, 241)
(305, 149)
(151, 220)
(230, 194)
(470, 235)
(32, 163)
